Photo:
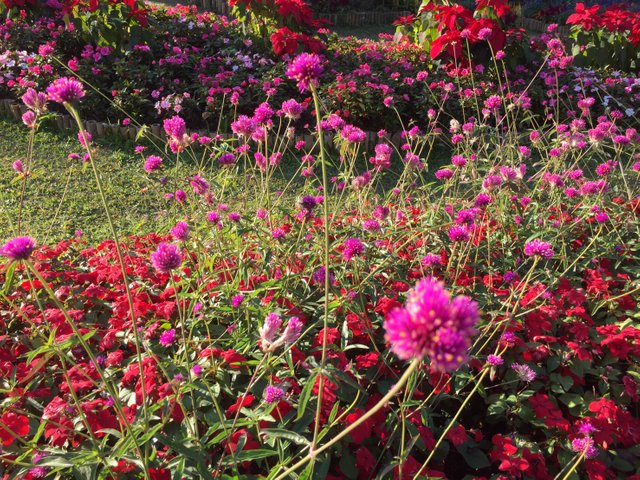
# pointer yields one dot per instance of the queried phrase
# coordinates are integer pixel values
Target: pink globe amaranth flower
(353, 134)
(495, 360)
(29, 119)
(19, 248)
(586, 446)
(524, 372)
(371, 225)
(167, 257)
(180, 232)
(227, 158)
(494, 101)
(431, 259)
(484, 33)
(278, 233)
(244, 126)
(273, 394)
(65, 90)
(306, 69)
(269, 330)
(459, 233)
(449, 350)
(152, 163)
(167, 338)
(236, 300)
(36, 101)
(292, 109)
(175, 127)
(181, 196)
(292, 331)
(352, 248)
(538, 248)
(432, 324)
(444, 174)
(200, 185)
(18, 166)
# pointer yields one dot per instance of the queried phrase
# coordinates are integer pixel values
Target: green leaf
(305, 395)
(8, 283)
(287, 435)
(474, 457)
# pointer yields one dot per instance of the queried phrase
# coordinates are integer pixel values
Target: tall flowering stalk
(68, 91)
(306, 70)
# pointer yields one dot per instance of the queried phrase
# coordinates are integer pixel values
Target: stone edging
(12, 109)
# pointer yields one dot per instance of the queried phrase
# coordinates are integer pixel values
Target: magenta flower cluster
(433, 324)
(306, 69)
(19, 248)
(538, 248)
(167, 257)
(65, 90)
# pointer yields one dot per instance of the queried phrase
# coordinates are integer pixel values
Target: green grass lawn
(61, 195)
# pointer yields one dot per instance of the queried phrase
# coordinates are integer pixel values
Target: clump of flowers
(433, 324)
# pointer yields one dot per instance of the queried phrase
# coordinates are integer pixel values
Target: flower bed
(477, 320)
(203, 67)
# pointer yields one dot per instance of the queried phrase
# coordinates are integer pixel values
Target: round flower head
(584, 446)
(432, 324)
(273, 394)
(166, 258)
(538, 248)
(352, 248)
(65, 90)
(305, 69)
(495, 360)
(524, 372)
(152, 163)
(36, 101)
(19, 248)
(180, 232)
(269, 329)
(168, 337)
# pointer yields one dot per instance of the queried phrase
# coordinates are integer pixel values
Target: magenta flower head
(166, 258)
(36, 101)
(65, 90)
(352, 248)
(167, 338)
(306, 69)
(269, 330)
(29, 119)
(292, 331)
(292, 109)
(431, 324)
(19, 248)
(180, 232)
(273, 394)
(200, 185)
(538, 248)
(584, 446)
(175, 127)
(152, 163)
(459, 233)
